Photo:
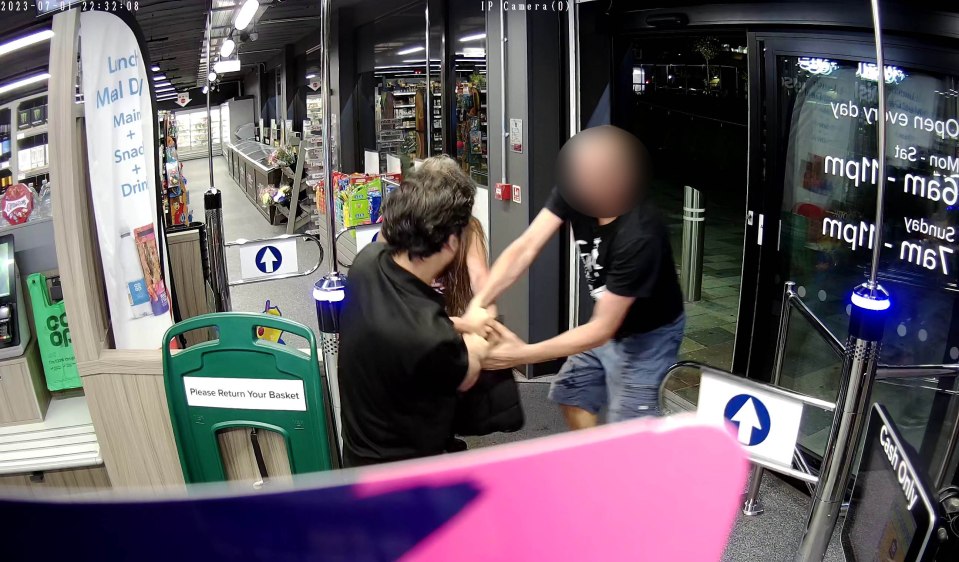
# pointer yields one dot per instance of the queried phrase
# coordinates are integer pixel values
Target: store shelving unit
(436, 113)
(472, 138)
(24, 152)
(176, 196)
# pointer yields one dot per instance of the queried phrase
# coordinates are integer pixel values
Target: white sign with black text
(245, 394)
(767, 423)
(516, 135)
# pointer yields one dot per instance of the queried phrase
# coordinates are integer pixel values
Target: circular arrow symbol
(268, 259)
(750, 416)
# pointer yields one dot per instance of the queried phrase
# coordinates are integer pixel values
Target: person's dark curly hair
(433, 203)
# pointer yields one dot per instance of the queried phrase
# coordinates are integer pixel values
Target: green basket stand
(238, 354)
(53, 335)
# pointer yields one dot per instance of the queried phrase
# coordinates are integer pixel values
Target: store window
(828, 118)
(468, 38)
(406, 88)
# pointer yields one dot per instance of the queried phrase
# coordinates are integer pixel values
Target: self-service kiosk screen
(6, 267)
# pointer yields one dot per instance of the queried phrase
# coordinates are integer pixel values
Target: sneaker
(455, 445)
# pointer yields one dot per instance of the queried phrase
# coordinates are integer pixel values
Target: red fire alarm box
(503, 192)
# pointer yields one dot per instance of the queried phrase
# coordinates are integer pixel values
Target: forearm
(577, 340)
(512, 263)
(477, 349)
(472, 371)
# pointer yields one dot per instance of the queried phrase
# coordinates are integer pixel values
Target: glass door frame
(766, 158)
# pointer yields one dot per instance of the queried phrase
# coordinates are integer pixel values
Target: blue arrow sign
(268, 259)
(750, 416)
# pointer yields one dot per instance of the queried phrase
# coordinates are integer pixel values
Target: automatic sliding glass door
(819, 201)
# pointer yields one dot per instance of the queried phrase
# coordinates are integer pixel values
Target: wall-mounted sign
(183, 98)
(891, 513)
(245, 394)
(314, 85)
(516, 135)
(119, 117)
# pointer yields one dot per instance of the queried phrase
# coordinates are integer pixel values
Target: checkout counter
(47, 439)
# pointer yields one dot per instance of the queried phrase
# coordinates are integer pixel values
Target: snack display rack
(472, 129)
(24, 144)
(175, 195)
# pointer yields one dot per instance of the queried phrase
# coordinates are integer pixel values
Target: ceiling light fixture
(211, 77)
(155, 68)
(411, 50)
(206, 89)
(25, 41)
(310, 76)
(159, 77)
(476, 37)
(225, 66)
(245, 15)
(227, 48)
(24, 82)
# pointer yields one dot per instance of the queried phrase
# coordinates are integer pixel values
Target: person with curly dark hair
(402, 361)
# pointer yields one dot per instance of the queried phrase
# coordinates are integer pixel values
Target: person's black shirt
(629, 257)
(400, 363)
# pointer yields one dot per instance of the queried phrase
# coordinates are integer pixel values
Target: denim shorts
(623, 374)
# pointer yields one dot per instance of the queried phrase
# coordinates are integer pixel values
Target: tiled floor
(711, 321)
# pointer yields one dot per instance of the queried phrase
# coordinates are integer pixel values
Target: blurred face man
(618, 359)
(603, 172)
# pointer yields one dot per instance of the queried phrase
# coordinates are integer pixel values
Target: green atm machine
(14, 327)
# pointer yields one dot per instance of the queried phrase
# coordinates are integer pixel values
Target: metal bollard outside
(694, 232)
(329, 293)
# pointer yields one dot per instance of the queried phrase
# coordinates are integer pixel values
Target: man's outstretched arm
(608, 316)
(517, 257)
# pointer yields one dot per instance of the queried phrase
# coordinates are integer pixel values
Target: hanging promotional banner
(120, 125)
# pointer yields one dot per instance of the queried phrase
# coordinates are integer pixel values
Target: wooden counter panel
(133, 427)
(72, 481)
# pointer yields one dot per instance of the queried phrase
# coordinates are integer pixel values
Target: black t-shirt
(629, 257)
(400, 363)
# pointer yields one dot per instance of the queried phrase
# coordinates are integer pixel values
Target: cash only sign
(122, 152)
(891, 515)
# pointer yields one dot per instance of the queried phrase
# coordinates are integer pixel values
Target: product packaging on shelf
(16, 204)
(359, 197)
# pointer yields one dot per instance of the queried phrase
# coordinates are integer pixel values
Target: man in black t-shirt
(401, 361)
(619, 358)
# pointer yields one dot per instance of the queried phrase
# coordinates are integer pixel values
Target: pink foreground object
(664, 489)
